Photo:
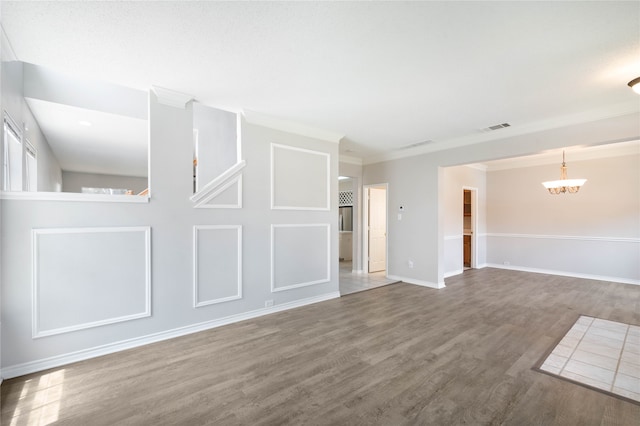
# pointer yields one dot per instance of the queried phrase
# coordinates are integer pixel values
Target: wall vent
(415, 145)
(496, 127)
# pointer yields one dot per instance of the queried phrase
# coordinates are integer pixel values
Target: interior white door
(377, 229)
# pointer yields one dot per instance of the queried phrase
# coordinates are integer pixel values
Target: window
(32, 167)
(12, 157)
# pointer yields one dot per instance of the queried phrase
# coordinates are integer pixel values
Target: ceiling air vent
(496, 127)
(415, 145)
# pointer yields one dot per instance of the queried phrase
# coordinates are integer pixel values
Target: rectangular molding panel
(88, 277)
(217, 264)
(299, 179)
(300, 255)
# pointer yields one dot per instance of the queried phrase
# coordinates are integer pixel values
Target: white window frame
(10, 175)
(31, 167)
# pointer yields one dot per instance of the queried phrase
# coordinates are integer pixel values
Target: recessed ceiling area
(386, 75)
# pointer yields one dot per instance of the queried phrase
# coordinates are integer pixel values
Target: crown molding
(610, 111)
(351, 160)
(171, 97)
(276, 123)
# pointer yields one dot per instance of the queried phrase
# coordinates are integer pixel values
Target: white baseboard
(564, 273)
(59, 360)
(416, 282)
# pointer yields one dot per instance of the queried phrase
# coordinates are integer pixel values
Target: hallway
(351, 282)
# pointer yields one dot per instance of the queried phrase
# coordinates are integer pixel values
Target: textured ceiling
(384, 74)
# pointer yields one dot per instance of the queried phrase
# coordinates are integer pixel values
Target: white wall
(594, 233)
(417, 183)
(455, 180)
(171, 217)
(74, 181)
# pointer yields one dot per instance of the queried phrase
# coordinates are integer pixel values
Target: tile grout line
(579, 341)
(624, 343)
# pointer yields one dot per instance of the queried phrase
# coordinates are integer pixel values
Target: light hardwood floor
(395, 355)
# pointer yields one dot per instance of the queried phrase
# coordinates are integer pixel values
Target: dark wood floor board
(399, 354)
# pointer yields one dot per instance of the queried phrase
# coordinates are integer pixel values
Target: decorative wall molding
(298, 182)
(216, 186)
(274, 246)
(238, 267)
(204, 203)
(12, 371)
(416, 282)
(171, 97)
(563, 273)
(567, 237)
(37, 332)
(276, 123)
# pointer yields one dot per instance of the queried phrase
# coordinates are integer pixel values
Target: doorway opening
(469, 202)
(375, 235)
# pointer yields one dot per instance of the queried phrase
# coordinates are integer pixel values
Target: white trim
(238, 295)
(564, 273)
(35, 326)
(203, 203)
(171, 97)
(72, 196)
(417, 282)
(273, 171)
(453, 237)
(290, 126)
(81, 355)
(273, 250)
(217, 182)
(567, 237)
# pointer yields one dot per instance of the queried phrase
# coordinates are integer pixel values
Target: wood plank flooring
(395, 355)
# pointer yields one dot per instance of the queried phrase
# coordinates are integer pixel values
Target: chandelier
(564, 185)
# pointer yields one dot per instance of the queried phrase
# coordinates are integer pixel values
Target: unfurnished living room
(321, 213)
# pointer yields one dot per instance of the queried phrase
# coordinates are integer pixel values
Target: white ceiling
(384, 74)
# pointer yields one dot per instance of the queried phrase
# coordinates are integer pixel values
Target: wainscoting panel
(217, 264)
(605, 258)
(300, 255)
(299, 179)
(88, 277)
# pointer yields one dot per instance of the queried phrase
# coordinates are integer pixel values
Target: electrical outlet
(268, 303)
(410, 262)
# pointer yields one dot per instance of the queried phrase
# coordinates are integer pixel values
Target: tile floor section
(353, 283)
(601, 354)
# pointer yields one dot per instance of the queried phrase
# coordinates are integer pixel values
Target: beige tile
(554, 360)
(634, 349)
(629, 369)
(562, 350)
(630, 357)
(586, 380)
(603, 341)
(550, 368)
(610, 325)
(583, 319)
(590, 371)
(626, 393)
(627, 382)
(634, 330)
(595, 359)
(569, 341)
(595, 348)
(603, 332)
(575, 333)
(580, 327)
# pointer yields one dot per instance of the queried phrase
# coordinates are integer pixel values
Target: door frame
(474, 226)
(365, 226)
